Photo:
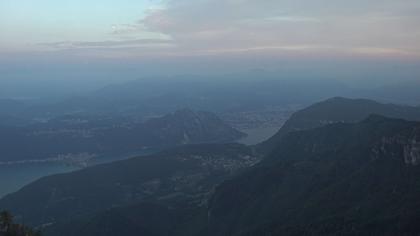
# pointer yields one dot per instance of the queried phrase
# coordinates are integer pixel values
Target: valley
(210, 118)
(282, 179)
(26, 171)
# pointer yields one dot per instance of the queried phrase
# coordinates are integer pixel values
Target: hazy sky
(159, 35)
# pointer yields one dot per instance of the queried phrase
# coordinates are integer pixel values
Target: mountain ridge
(182, 174)
(339, 109)
(318, 182)
(346, 177)
(73, 136)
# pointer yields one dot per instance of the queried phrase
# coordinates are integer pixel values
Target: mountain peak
(338, 98)
(191, 126)
(341, 110)
(374, 118)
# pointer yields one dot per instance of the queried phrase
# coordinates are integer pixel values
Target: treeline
(9, 228)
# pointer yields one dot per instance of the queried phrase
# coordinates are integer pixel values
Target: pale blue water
(258, 135)
(15, 176)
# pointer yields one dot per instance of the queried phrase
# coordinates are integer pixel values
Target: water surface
(15, 176)
(258, 135)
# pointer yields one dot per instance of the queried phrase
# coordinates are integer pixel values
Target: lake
(15, 176)
(258, 135)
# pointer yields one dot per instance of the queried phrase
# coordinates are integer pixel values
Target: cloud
(109, 44)
(191, 27)
(242, 24)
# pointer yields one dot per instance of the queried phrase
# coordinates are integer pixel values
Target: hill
(341, 179)
(71, 137)
(183, 177)
(337, 110)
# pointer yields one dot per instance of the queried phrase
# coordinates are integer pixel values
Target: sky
(44, 38)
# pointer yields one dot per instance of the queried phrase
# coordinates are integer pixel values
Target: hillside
(336, 110)
(74, 136)
(177, 177)
(221, 94)
(341, 179)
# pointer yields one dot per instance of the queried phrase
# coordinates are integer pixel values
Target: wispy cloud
(228, 26)
(110, 44)
(248, 24)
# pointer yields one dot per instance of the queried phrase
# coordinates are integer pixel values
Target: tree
(9, 228)
(6, 220)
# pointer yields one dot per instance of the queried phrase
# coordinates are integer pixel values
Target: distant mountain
(180, 179)
(74, 136)
(340, 179)
(10, 111)
(405, 92)
(187, 127)
(160, 95)
(337, 110)
(220, 94)
(235, 92)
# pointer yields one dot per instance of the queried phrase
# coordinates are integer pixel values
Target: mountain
(215, 94)
(76, 136)
(340, 179)
(325, 176)
(187, 127)
(180, 178)
(10, 112)
(9, 228)
(336, 110)
(161, 95)
(226, 93)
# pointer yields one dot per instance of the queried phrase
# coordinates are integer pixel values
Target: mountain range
(333, 169)
(75, 135)
(340, 179)
(339, 110)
